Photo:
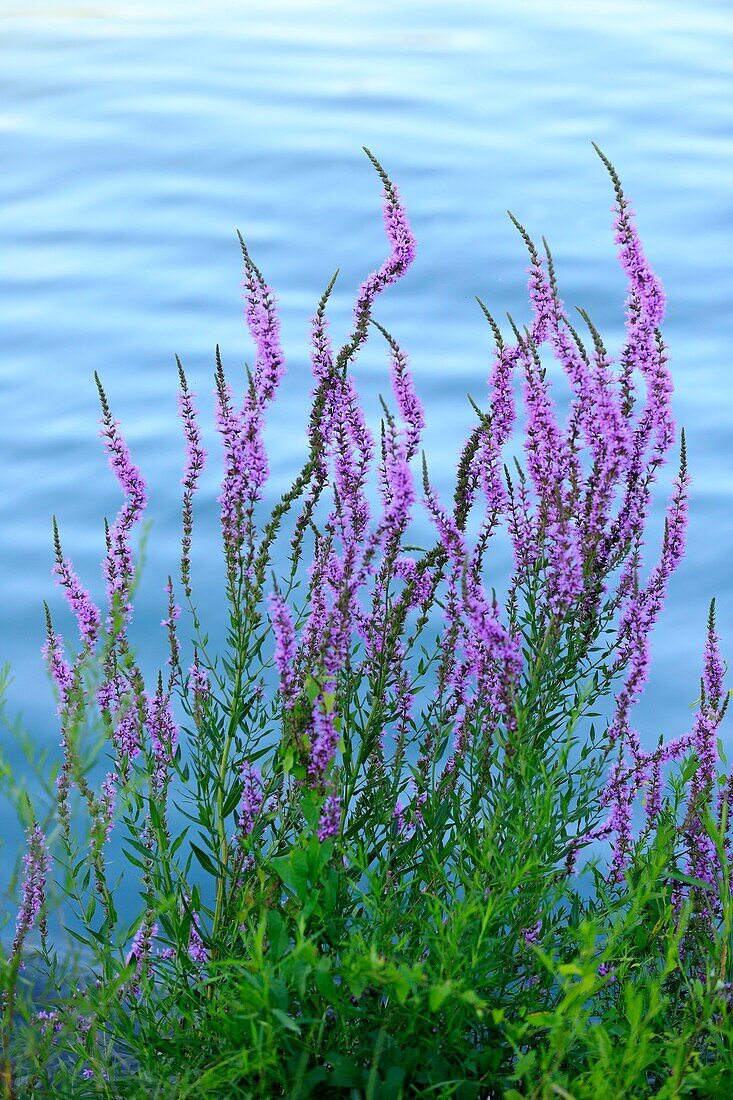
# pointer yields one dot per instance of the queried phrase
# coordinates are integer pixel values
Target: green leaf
(288, 759)
(698, 883)
(312, 689)
(287, 1021)
(325, 984)
(135, 862)
(311, 803)
(204, 860)
(345, 1074)
(541, 1019)
(277, 934)
(293, 871)
(232, 799)
(314, 1077)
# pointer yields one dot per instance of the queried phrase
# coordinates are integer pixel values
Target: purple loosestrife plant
(32, 912)
(367, 810)
(195, 459)
(118, 566)
(87, 615)
(37, 863)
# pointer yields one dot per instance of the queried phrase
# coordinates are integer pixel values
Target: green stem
(223, 765)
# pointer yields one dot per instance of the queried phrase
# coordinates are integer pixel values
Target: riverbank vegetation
(400, 837)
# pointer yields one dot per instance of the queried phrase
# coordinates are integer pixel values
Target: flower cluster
(118, 564)
(285, 783)
(37, 864)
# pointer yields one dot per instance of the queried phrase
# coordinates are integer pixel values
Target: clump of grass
(390, 841)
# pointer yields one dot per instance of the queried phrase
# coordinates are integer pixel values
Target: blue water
(136, 138)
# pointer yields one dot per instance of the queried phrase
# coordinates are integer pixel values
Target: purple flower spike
(52, 651)
(197, 950)
(713, 665)
(531, 935)
(199, 680)
(140, 952)
(245, 458)
(118, 565)
(195, 459)
(37, 863)
(400, 237)
(408, 403)
(326, 735)
(621, 795)
(565, 580)
(127, 733)
(234, 490)
(321, 349)
(163, 733)
(109, 798)
(643, 605)
(252, 798)
(703, 861)
(645, 286)
(503, 412)
(264, 327)
(549, 462)
(87, 614)
(285, 648)
(394, 267)
(200, 689)
(330, 820)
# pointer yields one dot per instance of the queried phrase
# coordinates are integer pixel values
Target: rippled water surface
(136, 138)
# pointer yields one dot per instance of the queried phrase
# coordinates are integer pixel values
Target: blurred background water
(136, 138)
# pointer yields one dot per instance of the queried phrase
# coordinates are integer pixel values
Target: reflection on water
(137, 138)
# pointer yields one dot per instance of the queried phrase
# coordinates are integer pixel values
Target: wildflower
(87, 614)
(712, 682)
(402, 241)
(643, 606)
(197, 951)
(264, 327)
(198, 680)
(326, 733)
(408, 403)
(59, 668)
(118, 564)
(532, 935)
(140, 952)
(330, 819)
(127, 733)
(399, 817)
(285, 647)
(49, 1021)
(245, 459)
(174, 613)
(199, 687)
(37, 863)
(109, 797)
(163, 733)
(233, 495)
(252, 798)
(195, 459)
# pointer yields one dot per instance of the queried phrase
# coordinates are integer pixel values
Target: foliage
(356, 834)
